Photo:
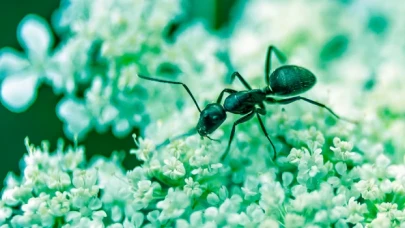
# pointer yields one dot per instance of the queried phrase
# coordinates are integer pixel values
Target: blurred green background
(40, 122)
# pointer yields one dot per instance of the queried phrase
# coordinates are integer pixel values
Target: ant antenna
(173, 82)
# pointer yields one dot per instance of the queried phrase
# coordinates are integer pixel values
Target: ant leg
(267, 65)
(239, 121)
(173, 82)
(241, 79)
(230, 91)
(263, 112)
(292, 99)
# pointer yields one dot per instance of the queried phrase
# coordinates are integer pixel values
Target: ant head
(211, 117)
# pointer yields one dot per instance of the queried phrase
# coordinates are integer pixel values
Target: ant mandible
(283, 86)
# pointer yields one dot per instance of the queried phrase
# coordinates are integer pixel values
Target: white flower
(296, 155)
(85, 178)
(24, 75)
(369, 189)
(58, 180)
(37, 211)
(381, 221)
(293, 220)
(174, 205)
(192, 188)
(72, 158)
(59, 204)
(135, 221)
(136, 175)
(355, 211)
(145, 148)
(5, 212)
(311, 167)
(389, 209)
(173, 168)
(143, 194)
(251, 188)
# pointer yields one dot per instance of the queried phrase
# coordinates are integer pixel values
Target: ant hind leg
(292, 99)
(267, 65)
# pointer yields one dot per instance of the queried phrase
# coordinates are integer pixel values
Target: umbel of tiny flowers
(58, 189)
(323, 181)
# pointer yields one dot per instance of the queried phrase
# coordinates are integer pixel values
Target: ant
(283, 86)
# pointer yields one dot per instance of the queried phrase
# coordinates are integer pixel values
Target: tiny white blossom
(5, 212)
(192, 188)
(173, 168)
(85, 178)
(381, 221)
(59, 204)
(355, 211)
(145, 148)
(173, 205)
(369, 189)
(58, 180)
(389, 209)
(293, 221)
(296, 155)
(143, 194)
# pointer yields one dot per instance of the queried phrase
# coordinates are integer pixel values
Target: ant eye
(214, 117)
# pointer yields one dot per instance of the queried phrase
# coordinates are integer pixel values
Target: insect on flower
(283, 87)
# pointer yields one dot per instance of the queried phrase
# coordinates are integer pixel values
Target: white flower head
(173, 205)
(173, 168)
(145, 150)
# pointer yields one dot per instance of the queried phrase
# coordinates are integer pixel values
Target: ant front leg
(169, 140)
(173, 82)
(263, 112)
(292, 99)
(267, 65)
(239, 121)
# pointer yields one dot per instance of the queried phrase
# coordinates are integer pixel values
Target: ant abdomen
(290, 80)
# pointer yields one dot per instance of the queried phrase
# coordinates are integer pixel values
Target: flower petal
(19, 91)
(35, 36)
(11, 61)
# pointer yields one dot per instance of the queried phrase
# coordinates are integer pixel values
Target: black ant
(283, 86)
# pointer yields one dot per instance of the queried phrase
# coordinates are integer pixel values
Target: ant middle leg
(239, 121)
(230, 91)
(263, 112)
(292, 99)
(173, 82)
(241, 79)
(267, 65)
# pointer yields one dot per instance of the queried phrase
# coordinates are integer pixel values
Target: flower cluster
(321, 181)
(104, 45)
(58, 188)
